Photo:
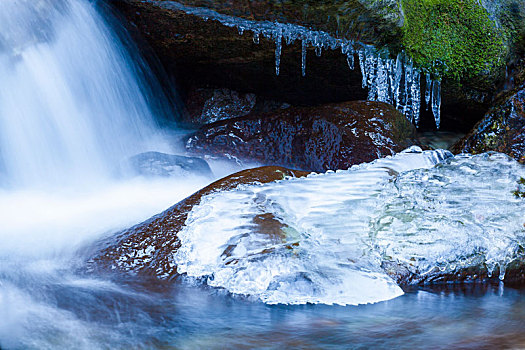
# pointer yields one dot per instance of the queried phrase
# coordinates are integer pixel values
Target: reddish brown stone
(328, 137)
(148, 247)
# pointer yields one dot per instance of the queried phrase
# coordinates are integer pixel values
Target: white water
(72, 106)
(70, 102)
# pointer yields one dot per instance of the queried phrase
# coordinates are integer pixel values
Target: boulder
(327, 137)
(501, 130)
(147, 247)
(207, 106)
(166, 165)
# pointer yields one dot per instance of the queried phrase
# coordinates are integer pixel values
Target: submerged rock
(148, 247)
(166, 165)
(320, 138)
(501, 130)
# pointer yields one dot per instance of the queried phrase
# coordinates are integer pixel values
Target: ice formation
(395, 81)
(325, 238)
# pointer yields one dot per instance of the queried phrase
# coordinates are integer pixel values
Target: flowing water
(73, 105)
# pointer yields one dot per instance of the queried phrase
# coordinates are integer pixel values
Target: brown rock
(328, 137)
(147, 248)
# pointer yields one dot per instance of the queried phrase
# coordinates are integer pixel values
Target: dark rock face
(207, 106)
(501, 130)
(321, 138)
(166, 165)
(148, 247)
(203, 53)
(207, 54)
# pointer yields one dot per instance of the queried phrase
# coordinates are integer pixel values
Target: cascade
(394, 81)
(72, 102)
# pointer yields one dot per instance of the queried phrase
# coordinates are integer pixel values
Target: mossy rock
(501, 130)
(453, 38)
(520, 191)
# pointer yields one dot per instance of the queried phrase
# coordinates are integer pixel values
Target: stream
(76, 100)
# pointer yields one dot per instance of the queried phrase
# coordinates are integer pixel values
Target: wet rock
(406, 275)
(148, 247)
(328, 137)
(210, 105)
(501, 130)
(166, 165)
(207, 106)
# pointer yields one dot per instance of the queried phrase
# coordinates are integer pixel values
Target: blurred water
(71, 101)
(93, 314)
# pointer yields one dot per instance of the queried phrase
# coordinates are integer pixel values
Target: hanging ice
(278, 49)
(428, 89)
(436, 101)
(394, 81)
(303, 57)
(338, 234)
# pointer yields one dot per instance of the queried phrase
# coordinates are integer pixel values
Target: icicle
(502, 268)
(371, 64)
(256, 39)
(350, 60)
(289, 39)
(408, 90)
(303, 57)
(398, 74)
(318, 50)
(241, 30)
(416, 95)
(436, 102)
(362, 59)
(428, 90)
(381, 83)
(278, 49)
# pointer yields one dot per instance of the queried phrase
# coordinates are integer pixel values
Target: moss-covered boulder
(147, 248)
(455, 39)
(328, 137)
(501, 130)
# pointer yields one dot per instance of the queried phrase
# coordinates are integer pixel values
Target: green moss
(452, 38)
(520, 192)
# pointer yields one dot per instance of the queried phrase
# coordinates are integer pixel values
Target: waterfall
(71, 100)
